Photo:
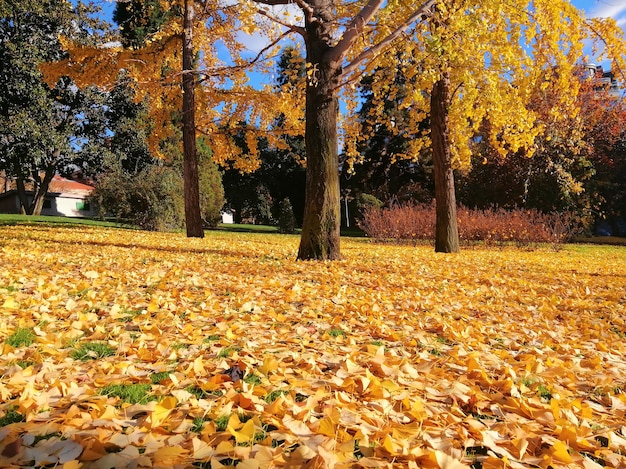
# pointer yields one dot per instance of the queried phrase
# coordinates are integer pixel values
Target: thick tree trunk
(193, 217)
(322, 218)
(446, 231)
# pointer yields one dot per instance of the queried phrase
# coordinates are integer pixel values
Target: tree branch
(423, 10)
(220, 70)
(290, 27)
(354, 29)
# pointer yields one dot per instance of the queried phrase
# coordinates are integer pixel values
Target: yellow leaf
(560, 452)
(269, 364)
(246, 434)
(162, 411)
(168, 453)
(327, 427)
(72, 465)
(448, 462)
(10, 303)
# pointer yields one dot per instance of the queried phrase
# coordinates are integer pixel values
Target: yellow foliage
(506, 357)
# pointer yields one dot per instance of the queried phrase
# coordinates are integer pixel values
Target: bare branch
(425, 9)
(290, 27)
(356, 27)
(221, 70)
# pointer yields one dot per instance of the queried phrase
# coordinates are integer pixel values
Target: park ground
(124, 348)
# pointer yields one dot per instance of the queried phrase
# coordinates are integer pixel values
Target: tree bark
(446, 231)
(193, 217)
(41, 189)
(322, 220)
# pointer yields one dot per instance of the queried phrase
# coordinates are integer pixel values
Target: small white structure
(228, 217)
(65, 198)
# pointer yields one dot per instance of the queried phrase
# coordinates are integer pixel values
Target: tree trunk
(322, 218)
(193, 217)
(446, 231)
(21, 191)
(41, 189)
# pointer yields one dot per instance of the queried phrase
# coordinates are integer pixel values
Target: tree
(386, 167)
(479, 63)
(491, 54)
(577, 157)
(44, 130)
(180, 41)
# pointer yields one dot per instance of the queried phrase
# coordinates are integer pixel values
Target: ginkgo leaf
(491, 364)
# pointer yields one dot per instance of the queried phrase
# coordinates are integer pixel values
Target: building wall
(69, 206)
(62, 205)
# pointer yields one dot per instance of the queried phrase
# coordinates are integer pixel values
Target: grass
(92, 350)
(15, 219)
(131, 393)
(156, 378)
(22, 337)
(12, 416)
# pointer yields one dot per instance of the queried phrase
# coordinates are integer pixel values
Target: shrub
(492, 226)
(286, 218)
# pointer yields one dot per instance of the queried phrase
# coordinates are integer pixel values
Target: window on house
(83, 206)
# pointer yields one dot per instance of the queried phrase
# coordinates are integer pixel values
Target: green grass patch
(336, 332)
(12, 416)
(211, 338)
(272, 396)
(92, 350)
(15, 219)
(544, 392)
(221, 423)
(227, 351)
(252, 379)
(198, 424)
(21, 337)
(245, 228)
(131, 393)
(156, 378)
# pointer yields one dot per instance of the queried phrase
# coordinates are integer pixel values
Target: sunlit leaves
(391, 357)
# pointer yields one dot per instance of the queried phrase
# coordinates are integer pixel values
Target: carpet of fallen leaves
(393, 357)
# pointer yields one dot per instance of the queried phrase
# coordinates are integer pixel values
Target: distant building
(605, 79)
(65, 198)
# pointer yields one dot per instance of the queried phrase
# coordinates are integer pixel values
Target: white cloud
(288, 14)
(608, 9)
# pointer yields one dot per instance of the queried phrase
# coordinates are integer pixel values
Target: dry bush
(492, 226)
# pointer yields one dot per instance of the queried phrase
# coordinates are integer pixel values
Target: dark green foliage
(138, 20)
(211, 187)
(45, 131)
(255, 197)
(151, 198)
(140, 189)
(286, 219)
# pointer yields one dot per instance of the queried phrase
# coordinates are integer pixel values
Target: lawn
(124, 348)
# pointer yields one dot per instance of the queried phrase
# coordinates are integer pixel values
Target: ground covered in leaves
(131, 349)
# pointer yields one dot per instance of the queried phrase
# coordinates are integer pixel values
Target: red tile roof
(59, 184)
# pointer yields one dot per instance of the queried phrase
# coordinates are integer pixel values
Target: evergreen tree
(45, 130)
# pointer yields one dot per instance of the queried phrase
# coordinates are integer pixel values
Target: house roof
(60, 184)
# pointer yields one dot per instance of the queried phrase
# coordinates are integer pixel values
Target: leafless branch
(290, 27)
(206, 74)
(356, 27)
(425, 9)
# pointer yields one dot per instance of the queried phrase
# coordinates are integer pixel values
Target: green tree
(45, 130)
(138, 20)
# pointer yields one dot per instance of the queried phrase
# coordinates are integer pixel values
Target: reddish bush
(493, 226)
